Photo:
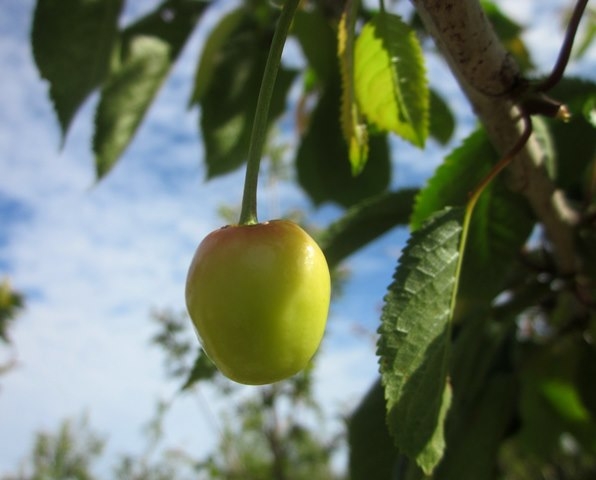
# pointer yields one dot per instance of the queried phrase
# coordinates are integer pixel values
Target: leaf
(390, 80)
(544, 138)
(317, 40)
(203, 369)
(585, 375)
(229, 102)
(442, 121)
(321, 161)
(500, 224)
(510, 33)
(365, 222)
(372, 453)
(550, 399)
(589, 34)
(72, 42)
(589, 110)
(354, 129)
(11, 303)
(577, 135)
(415, 337)
(485, 390)
(148, 49)
(472, 454)
(213, 46)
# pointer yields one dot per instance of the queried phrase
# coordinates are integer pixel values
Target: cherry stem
(248, 214)
(504, 161)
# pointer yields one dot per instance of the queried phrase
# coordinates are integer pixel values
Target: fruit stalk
(248, 214)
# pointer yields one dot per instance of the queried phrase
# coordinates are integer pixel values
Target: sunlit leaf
(354, 129)
(390, 80)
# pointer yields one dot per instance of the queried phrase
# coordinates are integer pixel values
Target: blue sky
(95, 259)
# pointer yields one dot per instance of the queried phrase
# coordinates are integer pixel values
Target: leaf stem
(475, 195)
(248, 214)
(565, 52)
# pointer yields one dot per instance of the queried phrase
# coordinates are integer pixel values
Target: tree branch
(490, 78)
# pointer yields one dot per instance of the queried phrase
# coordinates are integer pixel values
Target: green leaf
(372, 453)
(455, 178)
(551, 402)
(203, 369)
(229, 101)
(484, 389)
(510, 33)
(148, 49)
(577, 135)
(415, 336)
(565, 400)
(353, 127)
(72, 42)
(472, 453)
(213, 47)
(589, 34)
(11, 304)
(390, 80)
(500, 224)
(317, 40)
(321, 161)
(544, 138)
(585, 375)
(365, 222)
(589, 110)
(442, 121)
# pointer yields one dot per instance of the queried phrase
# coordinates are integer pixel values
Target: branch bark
(489, 77)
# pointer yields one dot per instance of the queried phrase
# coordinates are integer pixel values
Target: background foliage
(487, 361)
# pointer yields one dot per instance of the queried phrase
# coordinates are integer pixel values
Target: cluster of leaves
(486, 350)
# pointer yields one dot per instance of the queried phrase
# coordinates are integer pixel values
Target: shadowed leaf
(148, 49)
(73, 41)
(415, 337)
(365, 222)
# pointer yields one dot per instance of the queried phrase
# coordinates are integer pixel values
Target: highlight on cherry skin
(258, 296)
